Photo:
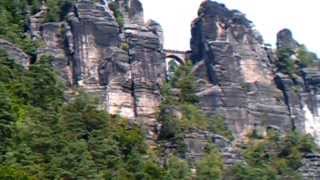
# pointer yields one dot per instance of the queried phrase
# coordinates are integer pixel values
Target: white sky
(269, 16)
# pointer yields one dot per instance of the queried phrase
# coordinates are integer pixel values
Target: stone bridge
(174, 59)
(179, 56)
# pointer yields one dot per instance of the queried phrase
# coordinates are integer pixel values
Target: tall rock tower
(122, 64)
(236, 72)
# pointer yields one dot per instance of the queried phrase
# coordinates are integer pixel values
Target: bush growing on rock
(274, 157)
(185, 103)
(211, 166)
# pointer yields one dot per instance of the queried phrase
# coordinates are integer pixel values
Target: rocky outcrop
(123, 66)
(301, 89)
(36, 20)
(311, 168)
(196, 144)
(128, 68)
(15, 53)
(240, 80)
(132, 11)
(156, 28)
(235, 71)
(148, 71)
(285, 40)
(53, 38)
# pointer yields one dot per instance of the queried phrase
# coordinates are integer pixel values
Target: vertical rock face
(148, 70)
(132, 11)
(239, 79)
(310, 100)
(94, 31)
(124, 68)
(301, 91)
(236, 71)
(53, 40)
(36, 21)
(285, 40)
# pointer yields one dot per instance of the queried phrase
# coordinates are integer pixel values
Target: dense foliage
(14, 24)
(211, 166)
(115, 8)
(273, 157)
(43, 138)
(291, 61)
(14, 19)
(180, 113)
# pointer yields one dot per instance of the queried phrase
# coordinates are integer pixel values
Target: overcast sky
(269, 16)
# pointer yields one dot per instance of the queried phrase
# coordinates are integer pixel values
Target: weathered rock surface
(311, 168)
(285, 40)
(53, 38)
(239, 79)
(301, 92)
(132, 11)
(36, 21)
(235, 70)
(197, 142)
(15, 53)
(124, 68)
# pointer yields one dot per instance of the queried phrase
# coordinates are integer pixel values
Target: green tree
(286, 64)
(46, 88)
(306, 58)
(274, 157)
(7, 121)
(211, 166)
(177, 169)
(185, 81)
(11, 173)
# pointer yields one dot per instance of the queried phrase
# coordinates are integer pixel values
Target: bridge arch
(174, 59)
(172, 63)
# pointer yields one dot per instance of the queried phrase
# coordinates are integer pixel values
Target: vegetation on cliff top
(44, 137)
(291, 61)
(273, 157)
(180, 112)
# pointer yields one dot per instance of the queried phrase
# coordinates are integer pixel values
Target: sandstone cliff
(242, 79)
(123, 66)
(236, 71)
(119, 58)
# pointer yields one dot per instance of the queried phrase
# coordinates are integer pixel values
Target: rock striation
(123, 66)
(15, 53)
(235, 70)
(240, 80)
(311, 168)
(196, 143)
(301, 91)
(132, 11)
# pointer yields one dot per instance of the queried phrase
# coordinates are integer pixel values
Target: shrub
(275, 157)
(286, 64)
(211, 166)
(114, 7)
(177, 169)
(306, 58)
